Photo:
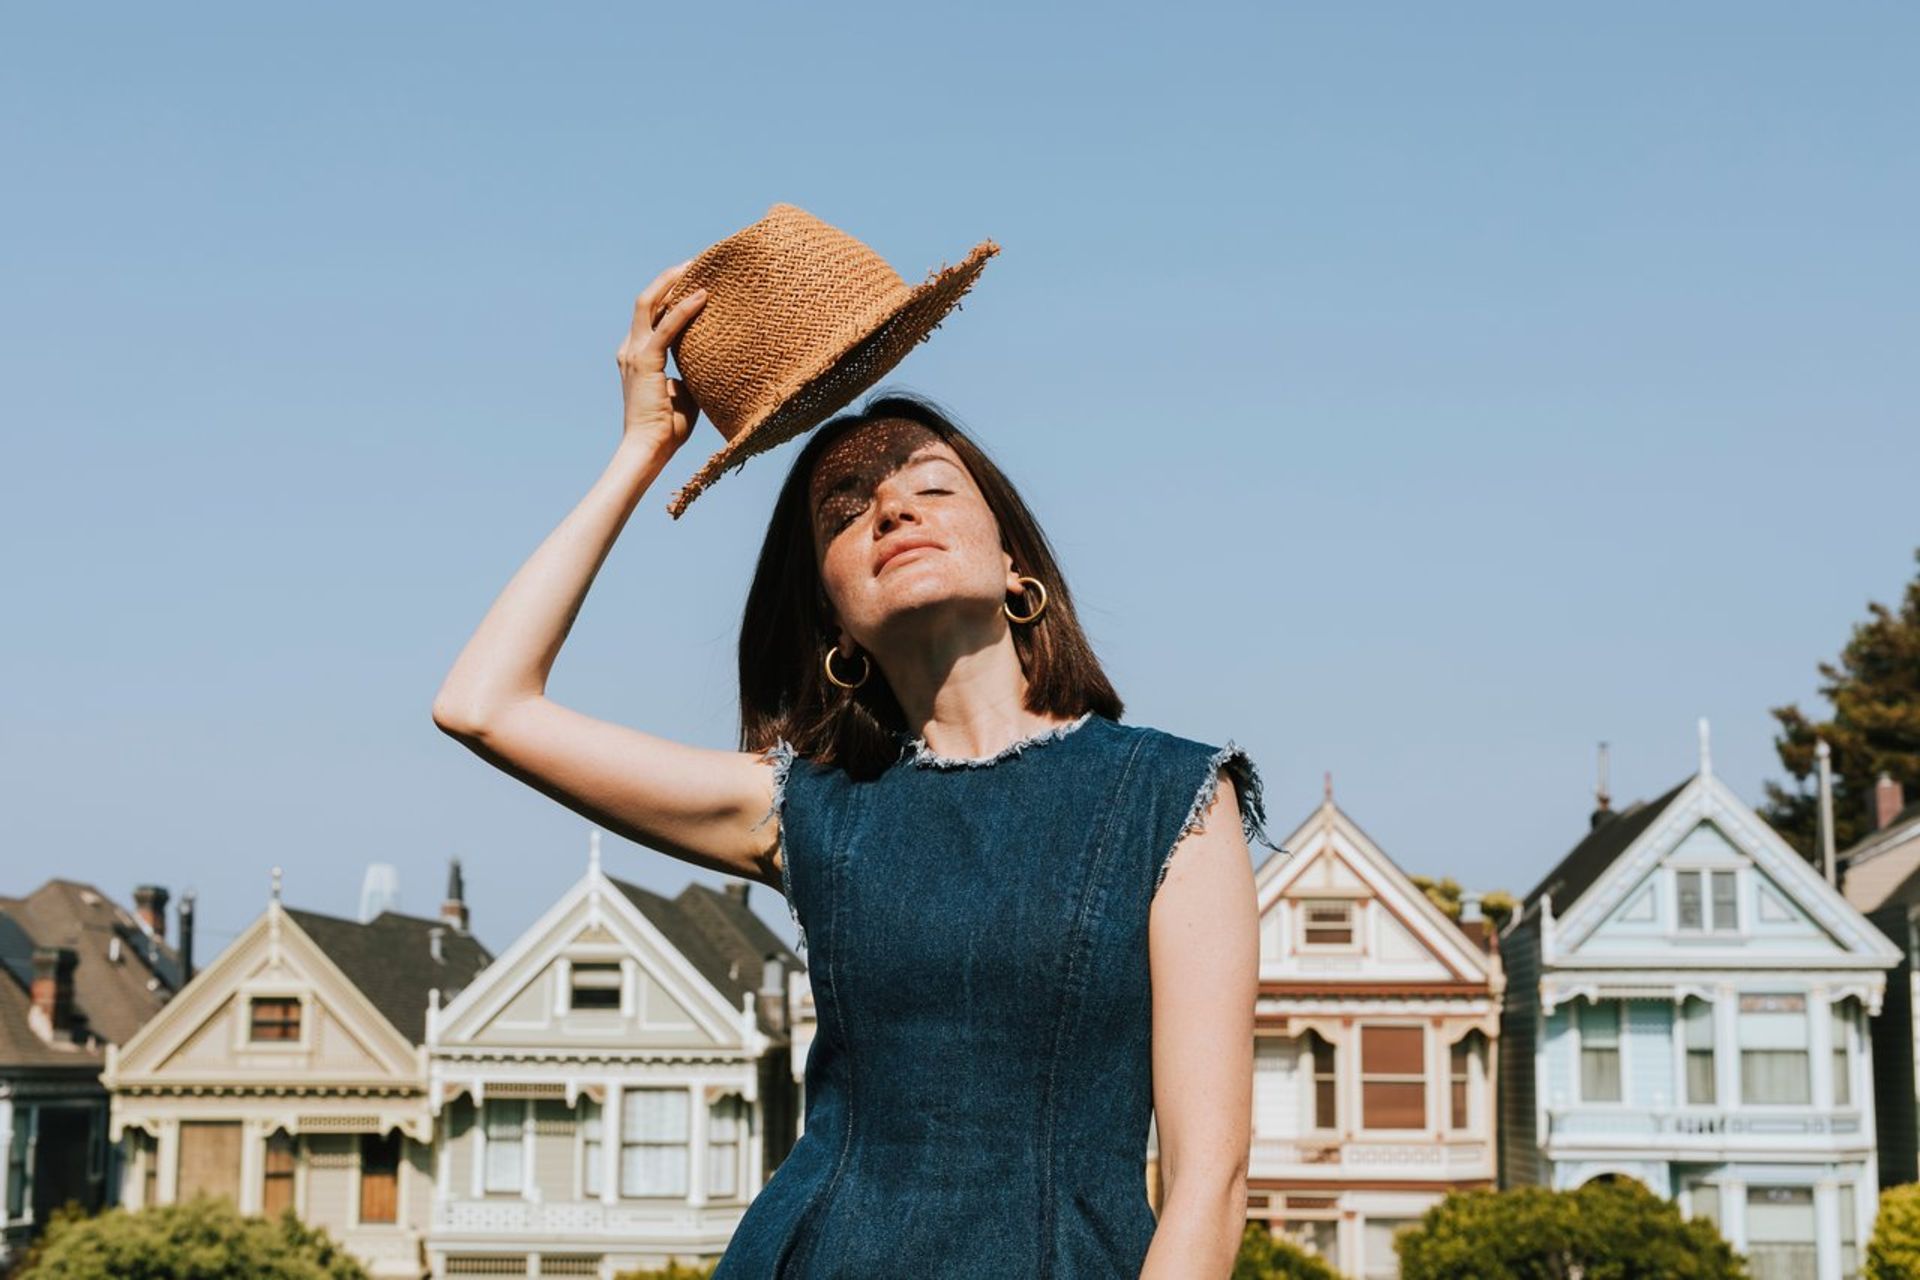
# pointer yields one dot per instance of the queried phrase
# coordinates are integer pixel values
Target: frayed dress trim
(915, 750)
(781, 756)
(1249, 791)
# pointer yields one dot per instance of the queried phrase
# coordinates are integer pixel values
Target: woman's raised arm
(698, 804)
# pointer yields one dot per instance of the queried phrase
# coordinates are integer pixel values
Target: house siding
(1892, 1034)
(1519, 1140)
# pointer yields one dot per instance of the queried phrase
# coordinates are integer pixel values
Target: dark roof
(719, 934)
(391, 960)
(1587, 861)
(116, 997)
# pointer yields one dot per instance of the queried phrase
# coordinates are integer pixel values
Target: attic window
(1328, 923)
(596, 985)
(274, 1018)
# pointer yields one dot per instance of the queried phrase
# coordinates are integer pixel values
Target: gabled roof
(1588, 860)
(116, 996)
(718, 934)
(390, 959)
(1884, 867)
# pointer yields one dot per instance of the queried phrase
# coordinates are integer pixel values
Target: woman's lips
(901, 550)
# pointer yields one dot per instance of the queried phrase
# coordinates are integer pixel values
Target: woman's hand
(660, 411)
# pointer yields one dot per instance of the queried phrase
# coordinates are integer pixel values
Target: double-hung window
(505, 1121)
(1599, 1022)
(1707, 901)
(1775, 1061)
(1696, 1029)
(1393, 1077)
(655, 1138)
(1327, 922)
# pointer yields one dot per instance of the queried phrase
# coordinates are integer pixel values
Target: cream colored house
(291, 1073)
(1375, 1052)
(615, 1088)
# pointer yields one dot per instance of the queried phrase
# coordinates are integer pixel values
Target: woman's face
(899, 526)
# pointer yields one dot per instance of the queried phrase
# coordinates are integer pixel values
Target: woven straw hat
(800, 318)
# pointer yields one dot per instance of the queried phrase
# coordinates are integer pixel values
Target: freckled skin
(891, 480)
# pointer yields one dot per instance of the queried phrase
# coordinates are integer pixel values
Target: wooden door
(209, 1159)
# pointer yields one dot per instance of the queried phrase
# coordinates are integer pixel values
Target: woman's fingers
(676, 319)
(685, 411)
(648, 302)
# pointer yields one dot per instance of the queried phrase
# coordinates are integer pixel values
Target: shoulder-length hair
(786, 629)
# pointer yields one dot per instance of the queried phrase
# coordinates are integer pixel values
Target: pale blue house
(1686, 1005)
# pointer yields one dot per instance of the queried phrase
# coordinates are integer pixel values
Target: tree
(1894, 1251)
(1496, 904)
(1265, 1256)
(205, 1238)
(1604, 1231)
(1874, 691)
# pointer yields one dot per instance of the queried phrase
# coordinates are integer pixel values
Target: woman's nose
(894, 509)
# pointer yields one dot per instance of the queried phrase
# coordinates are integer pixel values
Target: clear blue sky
(1419, 392)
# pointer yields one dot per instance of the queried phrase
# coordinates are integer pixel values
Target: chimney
(150, 905)
(737, 890)
(186, 937)
(454, 909)
(1889, 798)
(435, 936)
(51, 1015)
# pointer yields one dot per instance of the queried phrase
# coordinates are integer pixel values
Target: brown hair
(787, 627)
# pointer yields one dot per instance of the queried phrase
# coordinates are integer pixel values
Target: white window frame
(1709, 926)
(1349, 947)
(1579, 1046)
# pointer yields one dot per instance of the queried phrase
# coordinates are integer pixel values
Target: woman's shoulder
(1192, 767)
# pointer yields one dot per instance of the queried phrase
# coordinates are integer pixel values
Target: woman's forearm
(1198, 1235)
(512, 651)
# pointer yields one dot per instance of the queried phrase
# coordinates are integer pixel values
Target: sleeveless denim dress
(979, 1086)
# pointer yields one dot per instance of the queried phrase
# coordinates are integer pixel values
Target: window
(276, 1191)
(726, 1124)
(1599, 1023)
(1774, 1059)
(505, 1122)
(1706, 1202)
(1326, 1114)
(149, 1169)
(380, 1175)
(596, 985)
(1393, 1071)
(1780, 1242)
(654, 1142)
(592, 1161)
(1842, 1055)
(1328, 923)
(1699, 891)
(1696, 1023)
(274, 1018)
(1460, 1081)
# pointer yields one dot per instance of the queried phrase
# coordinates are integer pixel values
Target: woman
(1029, 927)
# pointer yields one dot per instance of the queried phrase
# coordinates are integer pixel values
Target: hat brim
(842, 373)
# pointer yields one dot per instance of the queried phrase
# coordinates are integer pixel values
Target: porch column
(1733, 1213)
(756, 1140)
(166, 1187)
(252, 1161)
(1826, 1229)
(697, 1146)
(610, 1144)
(1726, 1048)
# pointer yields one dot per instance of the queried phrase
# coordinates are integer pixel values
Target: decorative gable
(1338, 909)
(272, 1008)
(1707, 882)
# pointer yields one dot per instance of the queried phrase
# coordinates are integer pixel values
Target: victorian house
(1376, 1046)
(1687, 1004)
(613, 1090)
(291, 1074)
(81, 973)
(1881, 878)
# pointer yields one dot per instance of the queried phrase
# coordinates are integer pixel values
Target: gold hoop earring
(1039, 586)
(866, 668)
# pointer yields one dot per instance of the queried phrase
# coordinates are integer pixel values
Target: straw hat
(800, 318)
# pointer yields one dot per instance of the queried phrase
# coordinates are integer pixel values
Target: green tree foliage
(1603, 1231)
(1874, 691)
(205, 1238)
(1264, 1256)
(1894, 1251)
(1496, 904)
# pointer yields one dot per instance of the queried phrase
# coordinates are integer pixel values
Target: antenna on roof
(276, 884)
(1602, 794)
(593, 850)
(1706, 749)
(1824, 755)
(1327, 786)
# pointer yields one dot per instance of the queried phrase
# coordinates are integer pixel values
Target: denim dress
(979, 1087)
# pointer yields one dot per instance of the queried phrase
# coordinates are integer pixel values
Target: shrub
(1894, 1251)
(1603, 1231)
(1263, 1256)
(205, 1238)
